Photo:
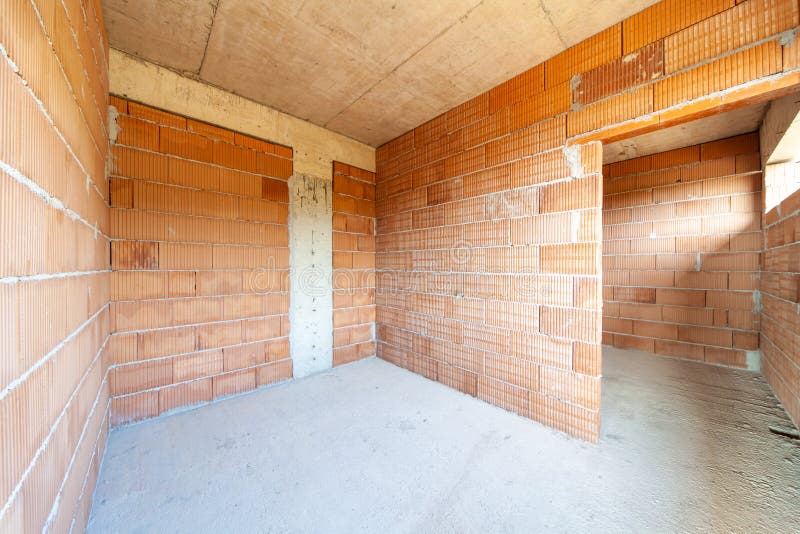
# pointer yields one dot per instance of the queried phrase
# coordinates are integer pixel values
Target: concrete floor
(372, 447)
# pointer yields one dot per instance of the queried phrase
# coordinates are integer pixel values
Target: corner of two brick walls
(497, 173)
(54, 396)
(780, 296)
(200, 262)
(492, 173)
(353, 263)
(682, 252)
(499, 165)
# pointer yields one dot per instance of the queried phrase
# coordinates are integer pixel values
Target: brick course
(780, 294)
(200, 260)
(54, 280)
(353, 263)
(496, 203)
(675, 282)
(488, 228)
(465, 294)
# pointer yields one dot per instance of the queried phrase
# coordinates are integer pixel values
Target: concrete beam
(780, 131)
(718, 126)
(315, 148)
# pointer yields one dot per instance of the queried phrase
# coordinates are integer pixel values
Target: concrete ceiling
(371, 70)
(719, 126)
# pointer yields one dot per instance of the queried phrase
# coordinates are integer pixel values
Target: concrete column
(311, 264)
(310, 189)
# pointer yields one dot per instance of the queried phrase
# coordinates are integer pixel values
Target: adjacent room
(458, 266)
(689, 237)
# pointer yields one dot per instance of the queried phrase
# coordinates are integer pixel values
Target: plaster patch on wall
(753, 358)
(113, 132)
(756, 301)
(573, 156)
(113, 127)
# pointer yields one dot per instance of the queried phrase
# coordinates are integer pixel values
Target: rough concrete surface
(310, 261)
(314, 148)
(721, 125)
(372, 447)
(133, 23)
(780, 130)
(369, 70)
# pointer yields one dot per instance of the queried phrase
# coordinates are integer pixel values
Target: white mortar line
(53, 276)
(193, 352)
(192, 325)
(114, 176)
(106, 422)
(579, 138)
(99, 41)
(66, 78)
(50, 121)
(20, 379)
(199, 161)
(679, 184)
(198, 379)
(783, 353)
(47, 438)
(48, 198)
(197, 297)
(783, 219)
(52, 515)
(776, 297)
(778, 247)
(196, 216)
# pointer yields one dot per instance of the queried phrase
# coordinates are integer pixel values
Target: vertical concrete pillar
(310, 263)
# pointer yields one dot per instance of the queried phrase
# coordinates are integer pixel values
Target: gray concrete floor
(370, 447)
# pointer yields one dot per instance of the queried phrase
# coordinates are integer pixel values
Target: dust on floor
(372, 447)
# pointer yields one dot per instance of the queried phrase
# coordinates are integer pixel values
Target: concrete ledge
(315, 148)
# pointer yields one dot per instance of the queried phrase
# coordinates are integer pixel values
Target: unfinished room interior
(399, 266)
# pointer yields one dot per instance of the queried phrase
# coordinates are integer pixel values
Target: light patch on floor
(372, 447)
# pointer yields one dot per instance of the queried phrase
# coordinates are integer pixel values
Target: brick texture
(780, 293)
(682, 251)
(488, 222)
(488, 267)
(489, 216)
(353, 263)
(54, 279)
(200, 258)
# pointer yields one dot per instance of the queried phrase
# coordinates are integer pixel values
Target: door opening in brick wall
(682, 240)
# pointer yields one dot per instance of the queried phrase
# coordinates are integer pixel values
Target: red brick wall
(681, 251)
(484, 198)
(353, 263)
(491, 290)
(54, 280)
(780, 294)
(199, 261)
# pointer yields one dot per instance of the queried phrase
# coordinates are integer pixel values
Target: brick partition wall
(199, 262)
(54, 280)
(353, 263)
(488, 273)
(513, 170)
(681, 251)
(780, 293)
